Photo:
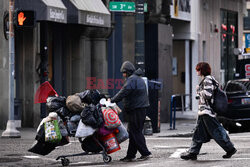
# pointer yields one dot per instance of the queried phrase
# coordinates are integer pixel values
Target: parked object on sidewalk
(237, 117)
(83, 130)
(43, 92)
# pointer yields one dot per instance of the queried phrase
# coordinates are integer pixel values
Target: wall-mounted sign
(181, 10)
(56, 14)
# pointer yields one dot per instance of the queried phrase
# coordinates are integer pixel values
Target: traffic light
(25, 18)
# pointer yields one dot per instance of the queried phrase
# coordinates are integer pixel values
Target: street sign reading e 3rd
(122, 6)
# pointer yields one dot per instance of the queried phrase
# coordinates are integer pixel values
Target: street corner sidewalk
(26, 133)
(183, 128)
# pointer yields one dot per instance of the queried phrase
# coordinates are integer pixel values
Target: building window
(229, 41)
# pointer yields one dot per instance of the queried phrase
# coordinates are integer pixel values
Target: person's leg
(132, 150)
(192, 152)
(136, 130)
(195, 148)
(220, 135)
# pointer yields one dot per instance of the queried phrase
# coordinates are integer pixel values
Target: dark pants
(209, 128)
(137, 140)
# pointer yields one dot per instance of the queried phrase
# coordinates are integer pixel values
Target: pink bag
(104, 131)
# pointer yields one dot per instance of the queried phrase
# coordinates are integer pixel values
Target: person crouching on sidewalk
(207, 126)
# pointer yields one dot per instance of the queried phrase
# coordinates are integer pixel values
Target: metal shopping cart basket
(88, 149)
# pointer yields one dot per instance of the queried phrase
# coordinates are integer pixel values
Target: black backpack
(220, 104)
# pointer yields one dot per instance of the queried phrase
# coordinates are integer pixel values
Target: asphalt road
(165, 150)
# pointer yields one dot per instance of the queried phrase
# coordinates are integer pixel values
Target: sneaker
(145, 157)
(126, 159)
(229, 154)
(189, 156)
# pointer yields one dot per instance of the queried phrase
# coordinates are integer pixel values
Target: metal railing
(173, 108)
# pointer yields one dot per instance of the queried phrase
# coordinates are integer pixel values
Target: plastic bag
(54, 103)
(91, 116)
(42, 148)
(89, 144)
(83, 130)
(110, 117)
(52, 132)
(114, 106)
(122, 134)
(90, 96)
(74, 103)
(104, 131)
(71, 126)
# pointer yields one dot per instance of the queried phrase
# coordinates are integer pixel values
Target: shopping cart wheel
(65, 161)
(107, 158)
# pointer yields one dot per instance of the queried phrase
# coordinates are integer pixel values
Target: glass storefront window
(229, 41)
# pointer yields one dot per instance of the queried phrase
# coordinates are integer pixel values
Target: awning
(46, 10)
(88, 12)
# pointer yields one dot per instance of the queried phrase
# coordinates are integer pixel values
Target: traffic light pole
(139, 35)
(11, 127)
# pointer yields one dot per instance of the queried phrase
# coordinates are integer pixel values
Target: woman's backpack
(220, 103)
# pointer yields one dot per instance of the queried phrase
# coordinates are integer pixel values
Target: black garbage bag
(98, 116)
(42, 148)
(90, 145)
(63, 112)
(92, 96)
(55, 103)
(40, 136)
(87, 116)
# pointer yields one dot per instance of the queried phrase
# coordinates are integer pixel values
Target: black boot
(229, 154)
(189, 156)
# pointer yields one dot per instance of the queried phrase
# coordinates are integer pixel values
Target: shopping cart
(106, 158)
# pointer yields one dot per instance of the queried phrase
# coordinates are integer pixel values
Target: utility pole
(11, 131)
(139, 35)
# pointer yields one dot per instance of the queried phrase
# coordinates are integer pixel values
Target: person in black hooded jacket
(135, 101)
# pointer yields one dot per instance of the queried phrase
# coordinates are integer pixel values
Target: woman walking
(207, 126)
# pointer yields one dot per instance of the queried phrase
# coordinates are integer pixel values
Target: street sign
(124, 6)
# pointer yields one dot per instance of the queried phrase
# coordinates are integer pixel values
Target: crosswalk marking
(177, 153)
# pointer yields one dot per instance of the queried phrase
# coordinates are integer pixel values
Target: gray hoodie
(134, 92)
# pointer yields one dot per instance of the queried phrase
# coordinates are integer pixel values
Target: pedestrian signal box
(25, 18)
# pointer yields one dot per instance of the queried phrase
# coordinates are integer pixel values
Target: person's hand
(197, 87)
